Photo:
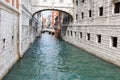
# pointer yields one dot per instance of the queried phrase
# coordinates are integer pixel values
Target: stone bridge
(40, 5)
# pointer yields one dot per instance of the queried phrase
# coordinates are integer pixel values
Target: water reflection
(52, 59)
(50, 50)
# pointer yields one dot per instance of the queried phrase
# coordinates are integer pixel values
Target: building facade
(96, 28)
(54, 15)
(16, 31)
(9, 34)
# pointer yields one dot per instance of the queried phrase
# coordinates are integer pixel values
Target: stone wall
(8, 38)
(28, 33)
(103, 31)
(16, 32)
(26, 16)
(109, 16)
(104, 49)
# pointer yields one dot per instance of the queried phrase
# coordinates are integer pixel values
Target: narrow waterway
(52, 59)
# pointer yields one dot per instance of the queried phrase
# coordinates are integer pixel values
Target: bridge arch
(71, 16)
(66, 6)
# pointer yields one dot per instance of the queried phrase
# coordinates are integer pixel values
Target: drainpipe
(20, 28)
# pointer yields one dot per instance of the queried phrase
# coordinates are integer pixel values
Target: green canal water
(52, 59)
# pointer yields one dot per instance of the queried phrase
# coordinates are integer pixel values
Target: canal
(50, 58)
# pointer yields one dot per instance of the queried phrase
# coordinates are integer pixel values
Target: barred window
(82, 15)
(99, 38)
(83, 1)
(80, 34)
(76, 2)
(90, 13)
(88, 36)
(117, 7)
(101, 11)
(114, 41)
(76, 16)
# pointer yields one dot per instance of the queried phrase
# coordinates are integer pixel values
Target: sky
(45, 14)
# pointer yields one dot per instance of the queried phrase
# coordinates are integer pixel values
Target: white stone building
(96, 28)
(30, 25)
(16, 32)
(9, 35)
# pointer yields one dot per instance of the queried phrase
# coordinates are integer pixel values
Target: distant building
(54, 15)
(44, 22)
(49, 21)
